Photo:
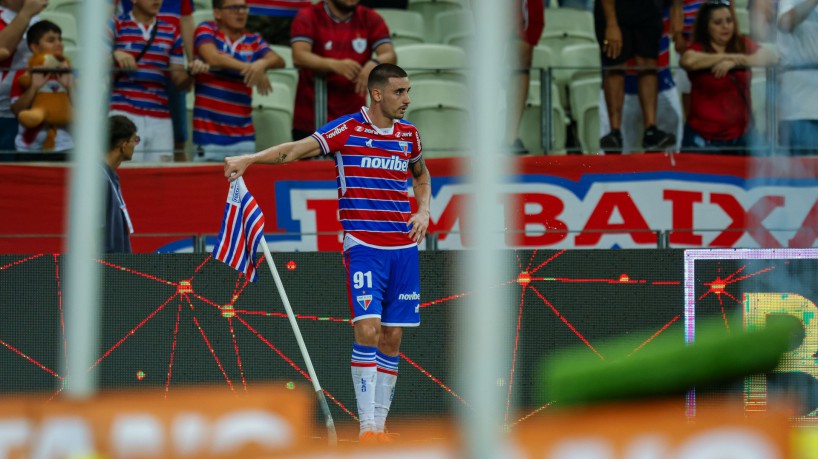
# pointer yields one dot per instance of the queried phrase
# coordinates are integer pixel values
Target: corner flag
(242, 231)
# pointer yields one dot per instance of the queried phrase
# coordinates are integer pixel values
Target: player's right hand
(347, 68)
(234, 167)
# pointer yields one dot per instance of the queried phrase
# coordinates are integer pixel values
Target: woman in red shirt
(717, 61)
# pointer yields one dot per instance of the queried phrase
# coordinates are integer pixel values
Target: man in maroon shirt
(336, 38)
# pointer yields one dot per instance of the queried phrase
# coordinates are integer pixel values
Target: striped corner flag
(242, 230)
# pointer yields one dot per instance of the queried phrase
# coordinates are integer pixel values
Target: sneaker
(518, 148)
(611, 143)
(655, 139)
(384, 437)
(368, 437)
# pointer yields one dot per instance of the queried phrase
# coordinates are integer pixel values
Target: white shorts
(156, 134)
(668, 118)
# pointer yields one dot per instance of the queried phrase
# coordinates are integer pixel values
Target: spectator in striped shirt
(180, 14)
(148, 53)
(222, 113)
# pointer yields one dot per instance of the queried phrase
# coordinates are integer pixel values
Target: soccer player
(374, 150)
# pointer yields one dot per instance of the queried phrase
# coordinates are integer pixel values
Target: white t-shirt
(19, 61)
(798, 91)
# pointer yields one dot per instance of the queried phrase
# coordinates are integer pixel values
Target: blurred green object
(666, 366)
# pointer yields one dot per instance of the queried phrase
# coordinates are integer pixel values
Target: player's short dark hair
(217, 4)
(380, 75)
(120, 128)
(40, 28)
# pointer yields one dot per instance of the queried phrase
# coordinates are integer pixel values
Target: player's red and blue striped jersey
(171, 10)
(665, 75)
(372, 167)
(143, 91)
(277, 7)
(222, 112)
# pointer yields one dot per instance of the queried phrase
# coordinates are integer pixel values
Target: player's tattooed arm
(422, 186)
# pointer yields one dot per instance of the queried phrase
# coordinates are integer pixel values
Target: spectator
(272, 19)
(668, 108)
(15, 17)
(179, 13)
(628, 29)
(798, 29)
(336, 38)
(720, 118)
(682, 17)
(222, 115)
(148, 53)
(117, 226)
(530, 24)
(45, 142)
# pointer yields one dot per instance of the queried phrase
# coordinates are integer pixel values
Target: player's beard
(343, 7)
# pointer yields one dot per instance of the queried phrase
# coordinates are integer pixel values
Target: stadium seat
(273, 116)
(429, 8)
(455, 27)
(568, 20)
(531, 122)
(440, 111)
(432, 62)
(202, 15)
(64, 6)
(287, 76)
(741, 4)
(579, 61)
(202, 4)
(584, 97)
(67, 23)
(405, 27)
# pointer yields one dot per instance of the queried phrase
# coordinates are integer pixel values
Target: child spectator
(44, 142)
(222, 113)
(15, 17)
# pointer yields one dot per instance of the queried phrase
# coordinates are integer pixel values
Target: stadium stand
(430, 61)
(72, 53)
(440, 111)
(64, 6)
(743, 19)
(584, 101)
(202, 4)
(202, 15)
(455, 27)
(273, 116)
(429, 8)
(531, 122)
(288, 76)
(406, 27)
(578, 62)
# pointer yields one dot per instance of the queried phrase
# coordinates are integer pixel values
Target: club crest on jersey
(359, 45)
(364, 300)
(405, 147)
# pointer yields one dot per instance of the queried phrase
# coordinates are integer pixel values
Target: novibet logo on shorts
(409, 296)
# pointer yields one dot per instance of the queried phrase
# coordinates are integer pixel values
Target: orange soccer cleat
(368, 438)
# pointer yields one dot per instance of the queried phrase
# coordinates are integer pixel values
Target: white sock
(364, 377)
(385, 387)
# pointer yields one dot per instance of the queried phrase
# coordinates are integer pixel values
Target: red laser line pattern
(184, 295)
(718, 287)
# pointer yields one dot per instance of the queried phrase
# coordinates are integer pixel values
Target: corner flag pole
(322, 400)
